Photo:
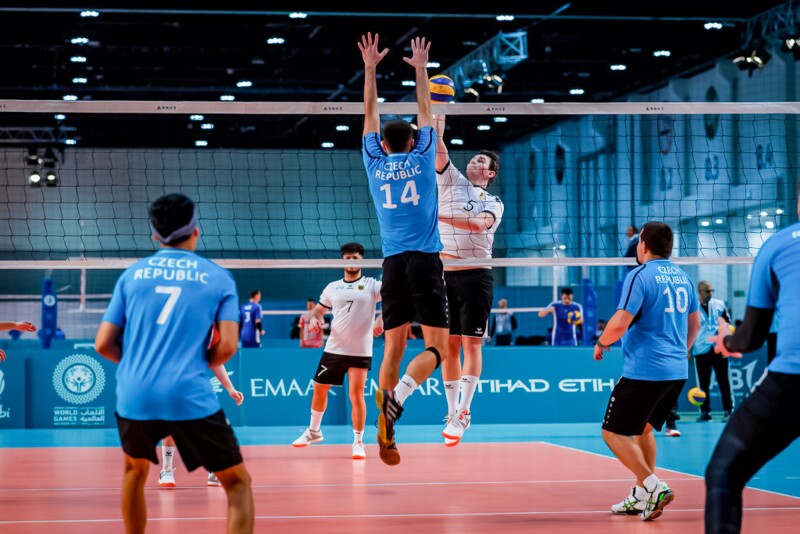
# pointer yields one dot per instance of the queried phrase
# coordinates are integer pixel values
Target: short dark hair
(254, 292)
(566, 291)
(658, 238)
(494, 162)
(170, 212)
(635, 230)
(396, 134)
(349, 248)
(311, 300)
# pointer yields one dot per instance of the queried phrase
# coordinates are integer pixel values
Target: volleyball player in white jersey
(348, 350)
(468, 217)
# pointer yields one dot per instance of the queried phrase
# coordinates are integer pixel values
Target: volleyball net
(280, 186)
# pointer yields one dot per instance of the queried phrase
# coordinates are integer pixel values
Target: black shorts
(469, 295)
(413, 289)
(333, 367)
(208, 442)
(634, 403)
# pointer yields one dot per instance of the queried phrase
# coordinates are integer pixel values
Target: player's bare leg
(358, 379)
(134, 508)
(241, 510)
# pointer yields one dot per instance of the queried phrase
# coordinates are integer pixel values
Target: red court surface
(487, 487)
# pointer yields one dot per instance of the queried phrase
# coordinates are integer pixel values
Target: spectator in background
(59, 334)
(601, 325)
(250, 321)
(309, 339)
(503, 325)
(567, 315)
(633, 240)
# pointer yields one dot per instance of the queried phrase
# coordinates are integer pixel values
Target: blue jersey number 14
(409, 195)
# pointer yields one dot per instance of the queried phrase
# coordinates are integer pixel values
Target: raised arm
(17, 325)
(442, 155)
(419, 60)
(371, 56)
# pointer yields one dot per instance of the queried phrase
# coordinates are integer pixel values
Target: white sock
(451, 394)
(316, 420)
(652, 483)
(167, 453)
(468, 386)
(640, 493)
(404, 389)
(358, 435)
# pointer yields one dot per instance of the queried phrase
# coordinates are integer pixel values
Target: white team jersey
(353, 308)
(458, 196)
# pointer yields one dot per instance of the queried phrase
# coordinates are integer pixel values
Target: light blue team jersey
(166, 305)
(248, 315)
(403, 188)
(775, 285)
(564, 333)
(660, 295)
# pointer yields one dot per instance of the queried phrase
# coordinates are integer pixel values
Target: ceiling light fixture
(662, 53)
(276, 40)
(713, 25)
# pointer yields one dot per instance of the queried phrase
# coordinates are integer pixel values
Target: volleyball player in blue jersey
(766, 422)
(402, 182)
(157, 328)
(658, 316)
(567, 315)
(250, 329)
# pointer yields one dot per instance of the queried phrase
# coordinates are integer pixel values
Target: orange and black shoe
(389, 411)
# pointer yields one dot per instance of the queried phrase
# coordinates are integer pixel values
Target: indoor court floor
(501, 478)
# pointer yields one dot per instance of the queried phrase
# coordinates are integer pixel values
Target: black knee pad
(435, 353)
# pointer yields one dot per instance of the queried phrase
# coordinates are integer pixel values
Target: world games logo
(79, 379)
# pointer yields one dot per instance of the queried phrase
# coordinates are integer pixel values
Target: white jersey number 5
(173, 292)
(409, 194)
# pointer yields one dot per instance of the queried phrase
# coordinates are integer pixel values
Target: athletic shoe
(673, 433)
(630, 505)
(454, 430)
(308, 437)
(358, 451)
(656, 501)
(167, 478)
(389, 411)
(704, 416)
(213, 480)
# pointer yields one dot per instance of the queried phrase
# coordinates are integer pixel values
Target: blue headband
(183, 231)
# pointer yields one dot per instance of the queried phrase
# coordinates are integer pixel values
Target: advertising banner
(12, 392)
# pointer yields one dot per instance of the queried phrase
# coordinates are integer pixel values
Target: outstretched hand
(2, 356)
(369, 50)
(419, 52)
(723, 332)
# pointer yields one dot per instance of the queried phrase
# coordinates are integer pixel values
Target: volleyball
(573, 317)
(443, 89)
(697, 396)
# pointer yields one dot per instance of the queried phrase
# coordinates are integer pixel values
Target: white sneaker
(167, 478)
(454, 430)
(307, 438)
(630, 505)
(213, 480)
(656, 501)
(358, 451)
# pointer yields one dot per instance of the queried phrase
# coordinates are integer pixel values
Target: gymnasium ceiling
(181, 51)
